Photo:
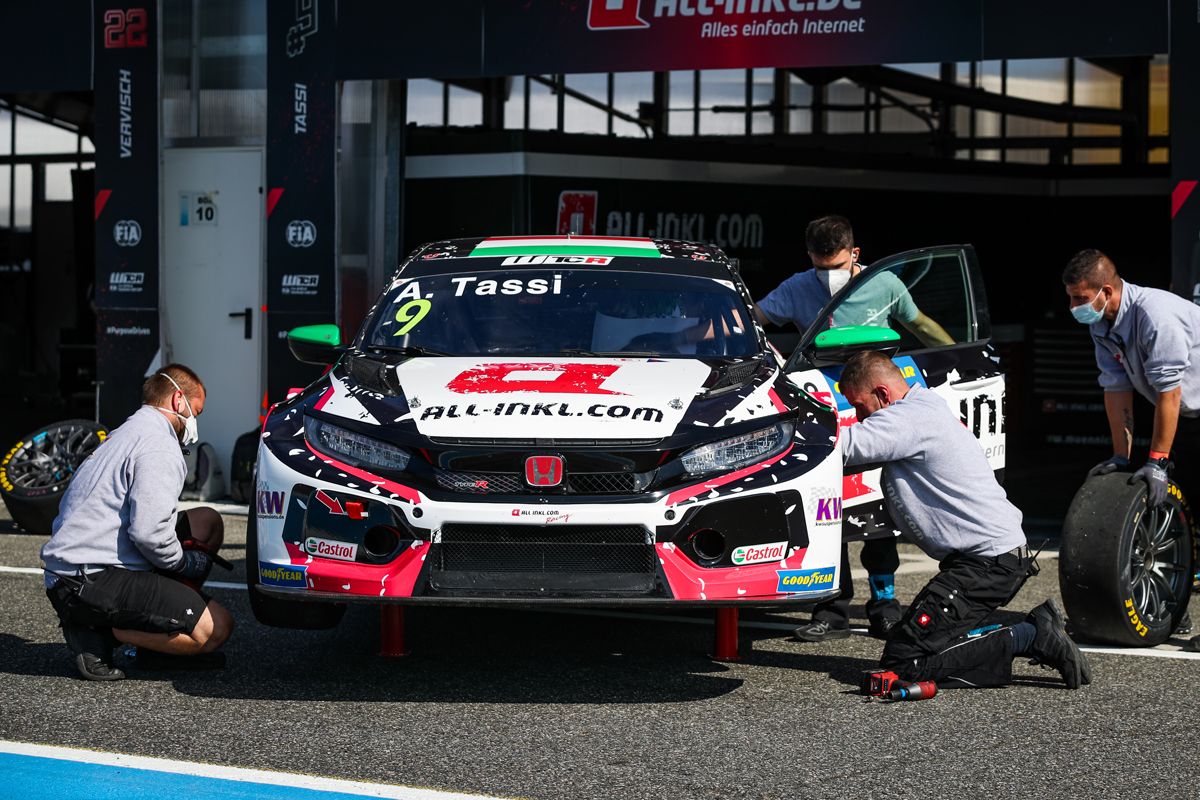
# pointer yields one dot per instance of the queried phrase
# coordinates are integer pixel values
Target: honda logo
(544, 470)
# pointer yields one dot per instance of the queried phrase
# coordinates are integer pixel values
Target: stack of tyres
(1126, 570)
(37, 470)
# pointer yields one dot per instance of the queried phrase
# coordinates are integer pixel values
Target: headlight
(357, 449)
(739, 451)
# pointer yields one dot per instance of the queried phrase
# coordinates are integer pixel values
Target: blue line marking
(33, 778)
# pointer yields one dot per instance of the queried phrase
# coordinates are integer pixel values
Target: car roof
(671, 256)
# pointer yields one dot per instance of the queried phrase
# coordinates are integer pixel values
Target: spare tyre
(37, 470)
(1126, 570)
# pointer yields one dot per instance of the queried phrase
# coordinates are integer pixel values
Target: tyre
(283, 613)
(1125, 570)
(37, 470)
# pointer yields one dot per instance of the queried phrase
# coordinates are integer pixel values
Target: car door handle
(248, 314)
(976, 383)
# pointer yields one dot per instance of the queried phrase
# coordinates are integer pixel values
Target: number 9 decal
(410, 315)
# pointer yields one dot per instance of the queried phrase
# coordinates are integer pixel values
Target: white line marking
(1161, 651)
(216, 771)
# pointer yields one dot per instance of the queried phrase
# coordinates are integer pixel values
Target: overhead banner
(1185, 150)
(402, 40)
(301, 175)
(126, 138)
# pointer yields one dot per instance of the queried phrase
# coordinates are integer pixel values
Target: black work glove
(1110, 464)
(1155, 476)
(195, 565)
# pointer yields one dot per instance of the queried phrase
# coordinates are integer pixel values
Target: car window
(546, 312)
(924, 296)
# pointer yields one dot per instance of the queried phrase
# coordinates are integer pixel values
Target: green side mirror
(836, 345)
(316, 344)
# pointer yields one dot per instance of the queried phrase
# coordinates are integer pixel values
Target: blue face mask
(1086, 313)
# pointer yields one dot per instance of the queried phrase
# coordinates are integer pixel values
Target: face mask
(191, 429)
(834, 279)
(1088, 314)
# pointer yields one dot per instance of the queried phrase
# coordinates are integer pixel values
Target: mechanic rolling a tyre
(122, 565)
(942, 493)
(1148, 340)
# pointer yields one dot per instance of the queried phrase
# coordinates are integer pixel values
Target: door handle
(248, 315)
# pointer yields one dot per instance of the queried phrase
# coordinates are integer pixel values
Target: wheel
(283, 613)
(37, 470)
(1125, 570)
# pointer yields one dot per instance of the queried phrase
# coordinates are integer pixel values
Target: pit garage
(186, 181)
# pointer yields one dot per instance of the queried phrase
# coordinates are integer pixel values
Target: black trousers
(879, 557)
(932, 642)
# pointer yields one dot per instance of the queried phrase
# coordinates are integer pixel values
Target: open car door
(927, 309)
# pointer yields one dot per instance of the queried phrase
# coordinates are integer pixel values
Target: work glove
(195, 566)
(1110, 464)
(1155, 476)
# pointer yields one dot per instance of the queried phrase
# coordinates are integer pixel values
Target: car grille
(544, 559)
(513, 483)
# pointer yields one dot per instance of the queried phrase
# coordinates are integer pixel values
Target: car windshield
(563, 311)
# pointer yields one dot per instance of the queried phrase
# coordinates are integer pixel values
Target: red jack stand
(725, 647)
(391, 632)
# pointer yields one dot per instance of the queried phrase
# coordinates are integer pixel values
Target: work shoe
(93, 650)
(1185, 624)
(152, 660)
(881, 627)
(1053, 648)
(820, 630)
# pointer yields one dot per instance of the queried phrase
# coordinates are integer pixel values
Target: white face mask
(834, 279)
(191, 429)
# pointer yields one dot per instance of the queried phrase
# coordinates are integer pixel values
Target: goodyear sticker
(282, 574)
(792, 581)
(908, 368)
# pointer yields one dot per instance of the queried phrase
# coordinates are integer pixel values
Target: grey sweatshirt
(1152, 346)
(120, 507)
(937, 483)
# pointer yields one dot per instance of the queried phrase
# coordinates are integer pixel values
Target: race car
(588, 421)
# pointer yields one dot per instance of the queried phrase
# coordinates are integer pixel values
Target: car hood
(550, 398)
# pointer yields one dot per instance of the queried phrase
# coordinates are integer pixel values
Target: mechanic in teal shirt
(800, 299)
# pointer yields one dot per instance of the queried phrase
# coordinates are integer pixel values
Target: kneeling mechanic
(122, 565)
(943, 495)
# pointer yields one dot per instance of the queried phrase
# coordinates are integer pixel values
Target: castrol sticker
(325, 548)
(759, 553)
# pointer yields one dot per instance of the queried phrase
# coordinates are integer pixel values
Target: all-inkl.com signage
(126, 138)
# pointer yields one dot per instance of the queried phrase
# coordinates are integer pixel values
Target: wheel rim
(51, 457)
(1158, 562)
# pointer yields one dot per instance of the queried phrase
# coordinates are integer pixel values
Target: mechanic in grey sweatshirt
(944, 497)
(116, 563)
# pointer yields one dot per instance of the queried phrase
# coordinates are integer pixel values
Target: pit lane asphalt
(566, 706)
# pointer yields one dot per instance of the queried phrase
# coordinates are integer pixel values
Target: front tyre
(283, 613)
(1125, 570)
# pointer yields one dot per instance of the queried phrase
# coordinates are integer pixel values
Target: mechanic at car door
(119, 556)
(834, 256)
(941, 491)
(1148, 340)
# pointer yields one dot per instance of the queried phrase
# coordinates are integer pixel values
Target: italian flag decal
(565, 246)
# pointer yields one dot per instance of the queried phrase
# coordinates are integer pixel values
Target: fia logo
(127, 233)
(301, 233)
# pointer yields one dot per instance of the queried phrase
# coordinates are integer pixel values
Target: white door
(212, 223)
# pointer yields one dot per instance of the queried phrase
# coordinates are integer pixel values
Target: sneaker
(881, 627)
(1185, 624)
(1053, 648)
(820, 630)
(93, 652)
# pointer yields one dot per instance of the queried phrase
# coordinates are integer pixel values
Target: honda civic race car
(587, 421)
